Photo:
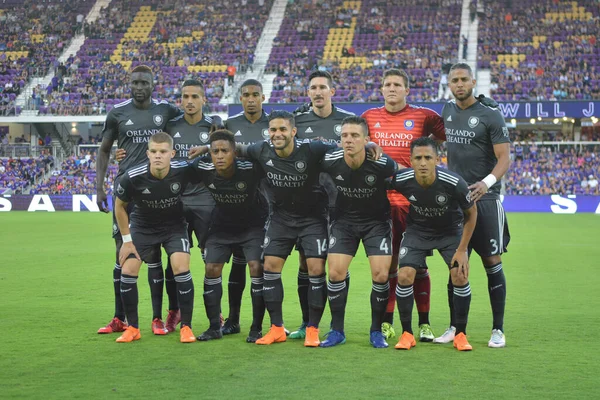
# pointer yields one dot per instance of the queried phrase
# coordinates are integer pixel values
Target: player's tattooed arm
(123, 222)
(101, 168)
(461, 256)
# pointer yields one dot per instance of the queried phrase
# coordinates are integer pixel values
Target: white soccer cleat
(447, 336)
(497, 340)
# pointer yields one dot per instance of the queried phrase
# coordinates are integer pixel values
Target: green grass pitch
(55, 291)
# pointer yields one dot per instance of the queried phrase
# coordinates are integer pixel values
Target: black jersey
(157, 202)
(362, 195)
(470, 138)
(185, 136)
(436, 210)
(294, 181)
(239, 204)
(132, 128)
(311, 126)
(246, 132)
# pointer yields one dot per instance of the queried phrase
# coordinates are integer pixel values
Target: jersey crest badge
(175, 187)
(158, 120)
(265, 133)
(300, 166)
(241, 186)
(441, 199)
(473, 122)
(409, 124)
(403, 251)
(370, 179)
(204, 137)
(337, 129)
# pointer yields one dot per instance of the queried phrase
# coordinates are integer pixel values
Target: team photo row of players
(314, 181)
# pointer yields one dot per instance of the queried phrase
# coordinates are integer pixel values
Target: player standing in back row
(132, 123)
(394, 127)
(250, 126)
(478, 150)
(323, 121)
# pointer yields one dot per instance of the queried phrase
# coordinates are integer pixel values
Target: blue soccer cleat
(378, 340)
(333, 339)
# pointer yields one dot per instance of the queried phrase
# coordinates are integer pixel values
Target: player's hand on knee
(120, 155)
(127, 249)
(460, 261)
(478, 190)
(101, 200)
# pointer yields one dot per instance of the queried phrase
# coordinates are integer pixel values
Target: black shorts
(415, 248)
(220, 245)
(309, 232)
(491, 235)
(198, 219)
(344, 238)
(148, 242)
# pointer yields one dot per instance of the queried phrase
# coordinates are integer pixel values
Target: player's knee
(406, 275)
(491, 260)
(337, 274)
(255, 268)
(131, 266)
(457, 280)
(316, 266)
(380, 276)
(213, 270)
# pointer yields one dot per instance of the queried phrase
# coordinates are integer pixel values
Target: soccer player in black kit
(299, 215)
(187, 130)
(249, 126)
(157, 219)
(478, 147)
(132, 123)
(362, 212)
(442, 217)
(237, 224)
(322, 121)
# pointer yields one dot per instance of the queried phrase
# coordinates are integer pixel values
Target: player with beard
(321, 120)
(132, 123)
(478, 147)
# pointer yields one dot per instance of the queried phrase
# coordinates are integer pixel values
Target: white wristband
(126, 238)
(489, 180)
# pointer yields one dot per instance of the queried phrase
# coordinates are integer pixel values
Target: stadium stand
(76, 175)
(181, 40)
(541, 50)
(18, 173)
(32, 36)
(357, 40)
